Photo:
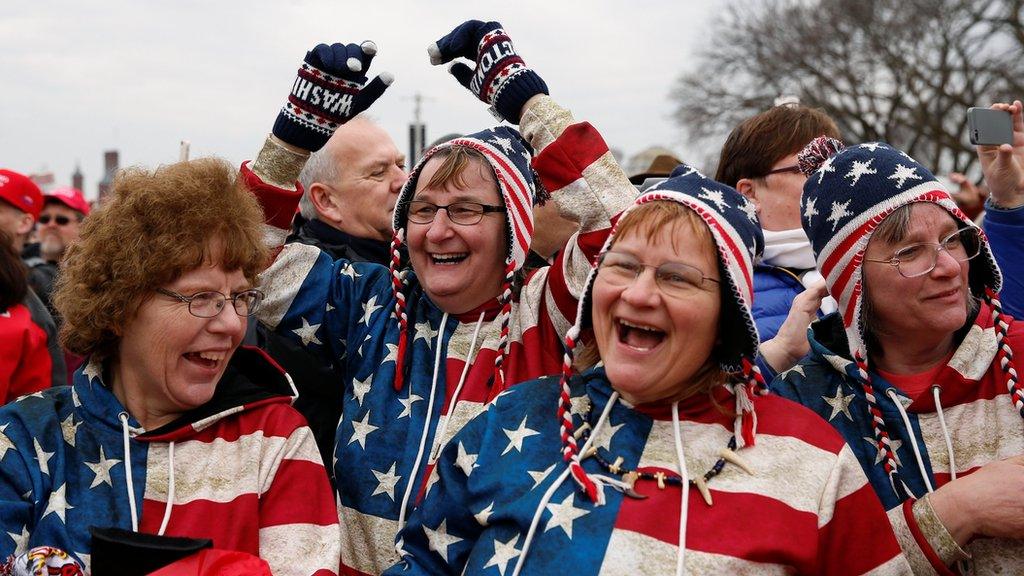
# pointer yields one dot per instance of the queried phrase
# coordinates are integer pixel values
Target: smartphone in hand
(988, 127)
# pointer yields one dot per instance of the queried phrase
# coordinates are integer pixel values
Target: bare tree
(899, 71)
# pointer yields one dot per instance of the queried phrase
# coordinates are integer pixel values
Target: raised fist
(500, 78)
(331, 88)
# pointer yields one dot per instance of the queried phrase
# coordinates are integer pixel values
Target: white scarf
(791, 249)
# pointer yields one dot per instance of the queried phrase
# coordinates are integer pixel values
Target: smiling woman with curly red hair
(182, 425)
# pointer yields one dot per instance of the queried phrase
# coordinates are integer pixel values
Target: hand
(1003, 165)
(790, 344)
(330, 89)
(970, 198)
(500, 78)
(985, 503)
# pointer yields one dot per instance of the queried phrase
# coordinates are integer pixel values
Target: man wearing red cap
(20, 204)
(59, 224)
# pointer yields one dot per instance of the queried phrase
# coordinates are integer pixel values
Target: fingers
(373, 90)
(367, 50)
(1017, 111)
(457, 43)
(462, 73)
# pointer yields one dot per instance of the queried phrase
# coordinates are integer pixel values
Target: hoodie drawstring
(913, 438)
(439, 437)
(936, 390)
(685, 487)
(123, 417)
(426, 426)
(170, 489)
(558, 482)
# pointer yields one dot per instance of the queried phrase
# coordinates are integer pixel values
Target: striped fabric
(807, 509)
(246, 475)
(341, 312)
(983, 423)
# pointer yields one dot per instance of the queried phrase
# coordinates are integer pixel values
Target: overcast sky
(78, 78)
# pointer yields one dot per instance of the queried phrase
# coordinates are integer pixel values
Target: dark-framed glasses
(463, 213)
(919, 259)
(60, 219)
(673, 278)
(209, 303)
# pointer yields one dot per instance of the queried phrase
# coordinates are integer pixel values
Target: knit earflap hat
(509, 156)
(849, 192)
(736, 231)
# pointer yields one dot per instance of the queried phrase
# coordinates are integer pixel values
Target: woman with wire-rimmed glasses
(918, 367)
(170, 428)
(665, 458)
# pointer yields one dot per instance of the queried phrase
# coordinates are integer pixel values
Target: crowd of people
(318, 363)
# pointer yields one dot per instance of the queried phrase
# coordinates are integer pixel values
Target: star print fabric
(342, 313)
(63, 469)
(807, 501)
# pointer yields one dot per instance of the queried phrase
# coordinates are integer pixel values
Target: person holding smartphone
(917, 369)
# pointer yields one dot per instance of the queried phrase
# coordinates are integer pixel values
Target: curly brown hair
(156, 226)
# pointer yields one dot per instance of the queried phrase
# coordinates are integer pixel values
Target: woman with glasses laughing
(918, 368)
(170, 428)
(667, 458)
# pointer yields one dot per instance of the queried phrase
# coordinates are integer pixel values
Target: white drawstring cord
(439, 437)
(558, 482)
(423, 437)
(945, 431)
(123, 417)
(913, 439)
(685, 486)
(170, 489)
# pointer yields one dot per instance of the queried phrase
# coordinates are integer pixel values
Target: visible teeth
(638, 326)
(449, 257)
(212, 356)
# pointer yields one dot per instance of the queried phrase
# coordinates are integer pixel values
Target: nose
(946, 265)
(643, 291)
(441, 227)
(227, 321)
(399, 180)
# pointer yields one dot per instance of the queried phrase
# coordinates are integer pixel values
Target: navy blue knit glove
(500, 78)
(330, 89)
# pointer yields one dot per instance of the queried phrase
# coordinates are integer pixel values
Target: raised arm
(1003, 167)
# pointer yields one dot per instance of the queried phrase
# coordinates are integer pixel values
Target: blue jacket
(1004, 229)
(775, 288)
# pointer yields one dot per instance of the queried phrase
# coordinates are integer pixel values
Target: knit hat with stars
(849, 192)
(509, 156)
(738, 241)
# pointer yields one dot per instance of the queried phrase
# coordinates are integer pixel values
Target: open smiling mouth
(205, 359)
(449, 258)
(639, 336)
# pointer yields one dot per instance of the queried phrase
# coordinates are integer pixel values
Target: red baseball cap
(20, 192)
(70, 197)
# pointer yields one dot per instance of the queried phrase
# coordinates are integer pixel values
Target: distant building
(111, 163)
(78, 179)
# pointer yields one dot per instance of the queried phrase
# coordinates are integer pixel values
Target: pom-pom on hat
(738, 239)
(509, 155)
(849, 192)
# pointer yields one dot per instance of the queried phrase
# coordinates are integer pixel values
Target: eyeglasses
(209, 304)
(59, 220)
(794, 169)
(674, 278)
(463, 213)
(919, 259)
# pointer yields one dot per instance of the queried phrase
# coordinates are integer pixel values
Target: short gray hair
(321, 167)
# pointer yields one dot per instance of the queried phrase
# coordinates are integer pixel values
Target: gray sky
(80, 77)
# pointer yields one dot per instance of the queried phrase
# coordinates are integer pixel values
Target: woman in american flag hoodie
(666, 458)
(170, 429)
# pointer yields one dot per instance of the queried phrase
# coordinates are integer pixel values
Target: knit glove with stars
(330, 89)
(500, 78)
